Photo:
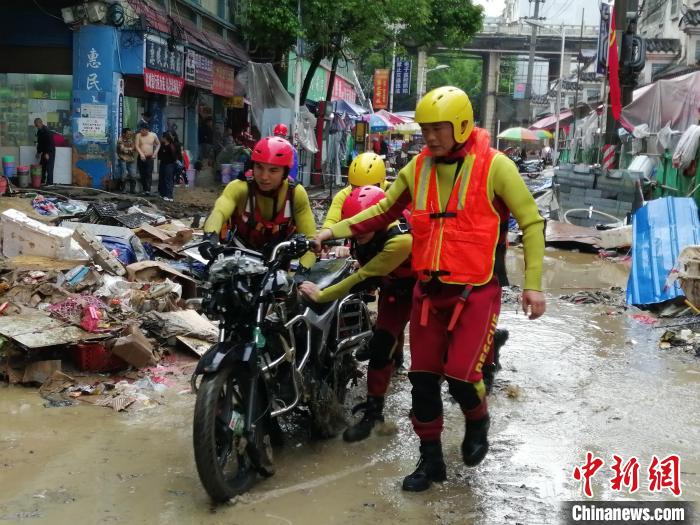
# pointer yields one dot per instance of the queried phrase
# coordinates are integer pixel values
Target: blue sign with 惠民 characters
(93, 60)
(402, 76)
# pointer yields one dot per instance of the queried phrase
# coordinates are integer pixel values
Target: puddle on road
(579, 380)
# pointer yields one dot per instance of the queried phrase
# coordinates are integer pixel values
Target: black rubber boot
(475, 444)
(431, 467)
(373, 407)
(489, 374)
(499, 339)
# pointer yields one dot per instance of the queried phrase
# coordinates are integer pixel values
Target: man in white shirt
(147, 146)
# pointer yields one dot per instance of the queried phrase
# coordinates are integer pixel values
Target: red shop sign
(223, 80)
(162, 83)
(381, 89)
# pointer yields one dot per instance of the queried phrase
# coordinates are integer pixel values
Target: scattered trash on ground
(97, 295)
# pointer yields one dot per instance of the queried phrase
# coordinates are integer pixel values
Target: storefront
(24, 97)
(35, 82)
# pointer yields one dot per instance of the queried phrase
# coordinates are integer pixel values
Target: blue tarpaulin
(661, 229)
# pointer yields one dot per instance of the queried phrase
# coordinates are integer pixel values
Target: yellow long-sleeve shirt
(335, 211)
(334, 214)
(395, 252)
(504, 182)
(234, 197)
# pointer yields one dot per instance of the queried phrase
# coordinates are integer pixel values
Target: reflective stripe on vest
(457, 244)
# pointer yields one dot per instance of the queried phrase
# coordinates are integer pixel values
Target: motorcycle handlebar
(299, 246)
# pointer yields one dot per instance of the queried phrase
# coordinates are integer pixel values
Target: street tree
(336, 29)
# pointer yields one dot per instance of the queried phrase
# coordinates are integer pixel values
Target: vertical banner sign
(120, 108)
(190, 67)
(603, 39)
(402, 76)
(381, 89)
(204, 71)
(614, 72)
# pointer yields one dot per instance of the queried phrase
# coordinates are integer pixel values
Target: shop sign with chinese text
(162, 83)
(161, 57)
(223, 80)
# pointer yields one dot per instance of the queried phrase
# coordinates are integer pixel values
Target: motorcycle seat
(328, 272)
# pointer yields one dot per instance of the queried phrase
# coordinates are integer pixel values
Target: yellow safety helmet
(447, 104)
(366, 170)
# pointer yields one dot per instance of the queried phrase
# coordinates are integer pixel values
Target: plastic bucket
(8, 169)
(226, 173)
(8, 159)
(237, 169)
(23, 176)
(191, 174)
(36, 170)
(36, 180)
(3, 185)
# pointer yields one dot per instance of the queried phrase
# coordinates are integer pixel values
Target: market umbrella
(518, 135)
(542, 134)
(409, 127)
(393, 118)
(377, 124)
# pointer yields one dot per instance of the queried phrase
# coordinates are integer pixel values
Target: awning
(210, 43)
(353, 110)
(551, 121)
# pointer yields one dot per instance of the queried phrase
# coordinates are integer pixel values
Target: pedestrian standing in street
(147, 146)
(126, 162)
(45, 151)
(384, 259)
(281, 130)
(168, 156)
(461, 193)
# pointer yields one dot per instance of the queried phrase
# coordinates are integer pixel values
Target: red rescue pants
(456, 355)
(394, 311)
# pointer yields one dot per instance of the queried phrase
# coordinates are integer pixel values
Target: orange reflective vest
(456, 244)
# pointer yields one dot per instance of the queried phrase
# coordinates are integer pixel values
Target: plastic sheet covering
(265, 90)
(661, 229)
(673, 101)
(687, 148)
(588, 129)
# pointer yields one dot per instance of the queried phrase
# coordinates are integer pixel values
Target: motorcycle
(531, 168)
(275, 353)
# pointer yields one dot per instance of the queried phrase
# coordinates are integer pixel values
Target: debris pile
(101, 289)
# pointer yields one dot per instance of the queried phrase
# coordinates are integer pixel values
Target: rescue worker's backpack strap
(252, 188)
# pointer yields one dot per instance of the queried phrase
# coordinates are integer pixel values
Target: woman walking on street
(168, 155)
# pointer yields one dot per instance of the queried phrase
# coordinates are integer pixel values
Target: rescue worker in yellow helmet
(366, 170)
(461, 193)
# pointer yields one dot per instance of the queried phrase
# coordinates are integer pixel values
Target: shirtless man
(147, 146)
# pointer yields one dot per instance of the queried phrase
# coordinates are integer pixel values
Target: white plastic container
(22, 235)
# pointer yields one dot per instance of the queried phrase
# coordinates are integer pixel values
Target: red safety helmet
(281, 130)
(360, 199)
(274, 150)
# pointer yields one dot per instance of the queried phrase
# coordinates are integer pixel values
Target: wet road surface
(584, 378)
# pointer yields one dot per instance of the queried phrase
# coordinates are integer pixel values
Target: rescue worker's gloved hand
(210, 246)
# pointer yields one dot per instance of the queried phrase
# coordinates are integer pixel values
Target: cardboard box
(134, 348)
(156, 272)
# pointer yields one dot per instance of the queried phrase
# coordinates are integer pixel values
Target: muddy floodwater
(583, 378)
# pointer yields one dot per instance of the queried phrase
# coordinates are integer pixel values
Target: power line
(36, 2)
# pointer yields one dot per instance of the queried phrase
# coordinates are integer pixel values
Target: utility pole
(531, 59)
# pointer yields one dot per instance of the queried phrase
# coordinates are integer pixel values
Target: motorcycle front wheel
(227, 464)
